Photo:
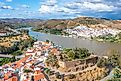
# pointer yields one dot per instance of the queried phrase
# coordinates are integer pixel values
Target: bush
(58, 76)
(47, 71)
(16, 53)
(72, 76)
(78, 53)
(102, 62)
(27, 71)
(114, 58)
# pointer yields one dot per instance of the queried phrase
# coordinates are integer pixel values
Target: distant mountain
(80, 21)
(61, 23)
(16, 22)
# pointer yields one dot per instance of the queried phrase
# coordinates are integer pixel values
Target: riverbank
(100, 35)
(99, 48)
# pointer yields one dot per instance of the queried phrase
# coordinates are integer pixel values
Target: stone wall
(77, 65)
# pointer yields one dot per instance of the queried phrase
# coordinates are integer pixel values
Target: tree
(114, 58)
(117, 73)
(16, 53)
(58, 75)
(71, 55)
(27, 71)
(66, 50)
(81, 53)
(77, 53)
(102, 62)
(119, 35)
(13, 59)
(47, 41)
(24, 31)
(72, 76)
(52, 60)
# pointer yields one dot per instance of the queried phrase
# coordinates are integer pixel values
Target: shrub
(27, 71)
(72, 76)
(58, 75)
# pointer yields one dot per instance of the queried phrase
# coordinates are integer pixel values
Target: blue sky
(53, 9)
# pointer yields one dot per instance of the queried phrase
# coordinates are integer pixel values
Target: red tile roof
(18, 63)
(38, 77)
(13, 79)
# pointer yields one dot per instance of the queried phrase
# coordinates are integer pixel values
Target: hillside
(17, 23)
(80, 21)
(61, 23)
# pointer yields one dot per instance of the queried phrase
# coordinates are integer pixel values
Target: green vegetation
(17, 46)
(102, 62)
(4, 61)
(116, 75)
(16, 49)
(10, 44)
(49, 72)
(24, 31)
(47, 41)
(114, 60)
(77, 53)
(16, 53)
(67, 54)
(72, 76)
(26, 43)
(27, 71)
(8, 50)
(89, 22)
(58, 76)
(109, 38)
(22, 25)
(52, 60)
(50, 31)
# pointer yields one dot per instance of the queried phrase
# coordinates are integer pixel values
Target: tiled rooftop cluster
(32, 62)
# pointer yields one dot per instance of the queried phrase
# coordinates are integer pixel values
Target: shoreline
(80, 37)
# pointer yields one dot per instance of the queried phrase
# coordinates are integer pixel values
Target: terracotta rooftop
(18, 63)
(38, 77)
(13, 79)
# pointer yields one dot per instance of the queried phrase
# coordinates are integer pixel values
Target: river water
(100, 48)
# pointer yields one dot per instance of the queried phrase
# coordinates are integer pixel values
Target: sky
(60, 9)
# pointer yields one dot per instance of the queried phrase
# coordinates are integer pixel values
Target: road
(110, 75)
(10, 56)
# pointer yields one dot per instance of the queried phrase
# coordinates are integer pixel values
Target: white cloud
(47, 9)
(6, 7)
(87, 6)
(8, 0)
(79, 7)
(48, 6)
(74, 7)
(51, 2)
(51, 7)
(98, 6)
(25, 6)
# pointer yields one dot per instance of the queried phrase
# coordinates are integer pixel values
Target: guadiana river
(99, 48)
